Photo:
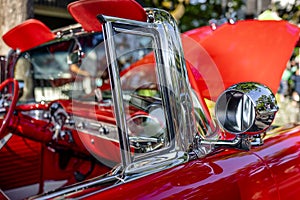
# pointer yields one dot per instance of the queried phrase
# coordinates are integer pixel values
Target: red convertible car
(120, 106)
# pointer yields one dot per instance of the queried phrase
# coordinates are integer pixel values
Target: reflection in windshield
(47, 74)
(145, 118)
(77, 69)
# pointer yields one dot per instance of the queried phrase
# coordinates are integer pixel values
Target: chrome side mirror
(247, 108)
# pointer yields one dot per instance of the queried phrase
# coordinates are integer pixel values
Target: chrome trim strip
(155, 164)
(4, 140)
(75, 188)
(91, 127)
(117, 95)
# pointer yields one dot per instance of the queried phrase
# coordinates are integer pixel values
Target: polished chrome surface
(73, 188)
(156, 163)
(37, 114)
(4, 140)
(201, 147)
(246, 108)
(172, 69)
(173, 84)
(117, 95)
(95, 128)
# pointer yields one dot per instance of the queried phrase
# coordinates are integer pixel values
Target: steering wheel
(12, 105)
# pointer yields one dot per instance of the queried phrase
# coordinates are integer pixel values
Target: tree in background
(198, 13)
(189, 13)
(13, 12)
(195, 13)
(290, 10)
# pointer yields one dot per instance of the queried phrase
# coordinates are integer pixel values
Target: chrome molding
(37, 114)
(96, 128)
(4, 140)
(74, 188)
(155, 164)
(117, 95)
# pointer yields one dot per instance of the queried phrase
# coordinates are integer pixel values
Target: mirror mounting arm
(241, 142)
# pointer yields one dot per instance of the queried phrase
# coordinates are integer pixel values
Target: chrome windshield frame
(117, 95)
(170, 71)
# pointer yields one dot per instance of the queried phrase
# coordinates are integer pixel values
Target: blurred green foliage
(202, 12)
(290, 11)
(199, 12)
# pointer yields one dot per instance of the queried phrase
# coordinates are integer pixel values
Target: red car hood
(249, 50)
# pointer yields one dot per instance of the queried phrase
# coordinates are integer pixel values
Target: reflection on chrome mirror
(246, 108)
(235, 111)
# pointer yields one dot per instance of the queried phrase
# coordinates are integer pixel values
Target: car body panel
(216, 171)
(210, 178)
(267, 172)
(281, 153)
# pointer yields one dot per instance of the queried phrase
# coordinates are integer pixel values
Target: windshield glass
(64, 70)
(141, 90)
(76, 68)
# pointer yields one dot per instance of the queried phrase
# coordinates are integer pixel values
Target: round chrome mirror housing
(247, 108)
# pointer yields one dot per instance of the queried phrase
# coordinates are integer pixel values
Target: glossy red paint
(259, 174)
(211, 177)
(14, 98)
(34, 33)
(229, 167)
(20, 156)
(194, 85)
(281, 153)
(266, 172)
(57, 165)
(125, 8)
(245, 48)
(37, 163)
(101, 147)
(28, 127)
(33, 106)
(89, 110)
